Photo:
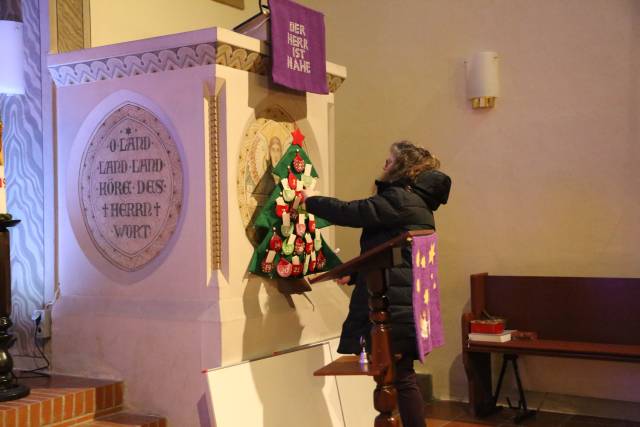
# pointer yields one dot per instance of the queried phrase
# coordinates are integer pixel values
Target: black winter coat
(397, 207)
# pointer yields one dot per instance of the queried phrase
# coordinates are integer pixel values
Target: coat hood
(433, 186)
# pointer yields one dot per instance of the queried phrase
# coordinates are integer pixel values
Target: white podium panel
(281, 391)
(276, 391)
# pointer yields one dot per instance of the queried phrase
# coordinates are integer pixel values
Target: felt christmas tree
(293, 246)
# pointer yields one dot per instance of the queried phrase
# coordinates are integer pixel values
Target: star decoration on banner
(298, 137)
(432, 253)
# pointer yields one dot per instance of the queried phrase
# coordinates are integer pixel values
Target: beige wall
(115, 21)
(544, 184)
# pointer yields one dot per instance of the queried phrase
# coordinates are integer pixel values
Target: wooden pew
(373, 264)
(574, 317)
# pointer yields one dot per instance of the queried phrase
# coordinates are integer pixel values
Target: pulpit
(165, 149)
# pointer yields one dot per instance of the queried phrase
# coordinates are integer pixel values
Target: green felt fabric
(258, 254)
(286, 161)
(332, 259)
(261, 251)
(267, 218)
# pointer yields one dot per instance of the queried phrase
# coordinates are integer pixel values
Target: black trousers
(410, 401)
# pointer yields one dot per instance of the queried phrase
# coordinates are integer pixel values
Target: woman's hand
(344, 280)
(309, 193)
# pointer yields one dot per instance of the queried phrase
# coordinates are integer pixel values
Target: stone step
(126, 419)
(61, 401)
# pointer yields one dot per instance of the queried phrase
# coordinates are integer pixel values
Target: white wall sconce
(11, 58)
(483, 84)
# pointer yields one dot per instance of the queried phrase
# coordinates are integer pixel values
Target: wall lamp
(483, 84)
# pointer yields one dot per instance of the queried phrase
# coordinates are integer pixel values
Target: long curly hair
(409, 161)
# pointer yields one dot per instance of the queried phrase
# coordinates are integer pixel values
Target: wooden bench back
(599, 310)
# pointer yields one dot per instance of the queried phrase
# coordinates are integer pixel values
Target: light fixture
(483, 84)
(258, 26)
(12, 57)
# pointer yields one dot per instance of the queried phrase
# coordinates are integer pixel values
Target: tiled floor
(456, 414)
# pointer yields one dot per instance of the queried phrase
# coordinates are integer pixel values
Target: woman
(410, 189)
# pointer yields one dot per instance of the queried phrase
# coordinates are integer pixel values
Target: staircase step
(61, 401)
(129, 420)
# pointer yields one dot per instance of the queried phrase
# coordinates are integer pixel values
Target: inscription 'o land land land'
(130, 187)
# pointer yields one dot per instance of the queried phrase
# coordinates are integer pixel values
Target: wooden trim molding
(214, 188)
(242, 59)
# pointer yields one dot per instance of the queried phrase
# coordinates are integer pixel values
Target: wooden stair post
(373, 264)
(385, 397)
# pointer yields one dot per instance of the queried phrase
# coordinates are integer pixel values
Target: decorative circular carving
(130, 187)
(265, 140)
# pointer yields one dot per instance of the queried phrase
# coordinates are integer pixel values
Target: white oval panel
(130, 187)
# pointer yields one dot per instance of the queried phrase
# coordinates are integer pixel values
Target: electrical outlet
(43, 326)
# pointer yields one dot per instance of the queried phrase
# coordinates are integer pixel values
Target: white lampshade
(11, 58)
(483, 84)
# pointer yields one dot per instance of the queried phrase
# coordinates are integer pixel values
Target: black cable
(41, 351)
(36, 371)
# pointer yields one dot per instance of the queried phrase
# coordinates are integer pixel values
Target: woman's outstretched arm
(374, 211)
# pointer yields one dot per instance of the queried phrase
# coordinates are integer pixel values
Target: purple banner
(426, 295)
(298, 47)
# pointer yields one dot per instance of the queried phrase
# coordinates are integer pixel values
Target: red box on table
(490, 326)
